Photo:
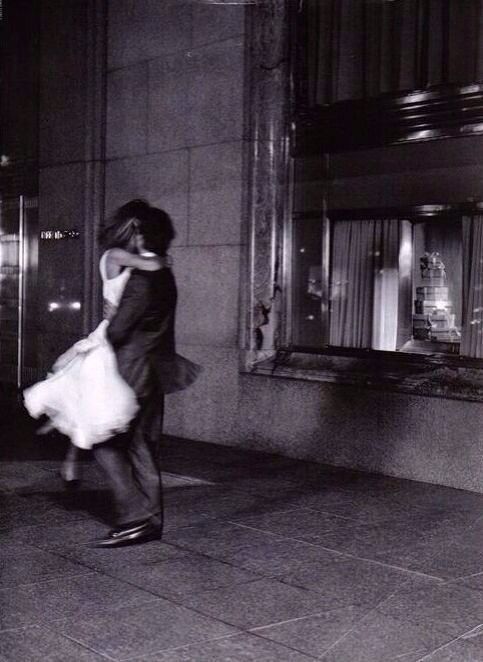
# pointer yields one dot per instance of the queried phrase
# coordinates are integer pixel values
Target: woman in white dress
(84, 396)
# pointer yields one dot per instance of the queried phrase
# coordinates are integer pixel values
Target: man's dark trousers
(142, 335)
(131, 462)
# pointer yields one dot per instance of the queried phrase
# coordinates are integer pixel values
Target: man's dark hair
(157, 230)
(123, 224)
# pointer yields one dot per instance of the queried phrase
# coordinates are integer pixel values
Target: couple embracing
(107, 391)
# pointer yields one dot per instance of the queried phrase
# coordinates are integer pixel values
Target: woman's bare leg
(71, 468)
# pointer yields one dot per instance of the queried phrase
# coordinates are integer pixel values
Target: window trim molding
(265, 348)
(417, 116)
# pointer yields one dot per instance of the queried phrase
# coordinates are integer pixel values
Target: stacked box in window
(442, 326)
(433, 318)
(430, 298)
(421, 327)
(432, 270)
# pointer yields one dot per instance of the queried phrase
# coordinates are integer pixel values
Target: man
(142, 335)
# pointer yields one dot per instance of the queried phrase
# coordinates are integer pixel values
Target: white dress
(85, 397)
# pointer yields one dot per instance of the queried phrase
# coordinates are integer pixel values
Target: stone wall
(176, 89)
(175, 95)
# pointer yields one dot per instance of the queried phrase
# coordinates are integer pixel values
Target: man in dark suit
(142, 335)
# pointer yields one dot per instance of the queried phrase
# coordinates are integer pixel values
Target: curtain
(472, 327)
(386, 285)
(364, 284)
(364, 48)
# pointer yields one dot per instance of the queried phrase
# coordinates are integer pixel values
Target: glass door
(18, 283)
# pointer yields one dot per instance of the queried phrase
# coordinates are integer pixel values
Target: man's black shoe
(130, 535)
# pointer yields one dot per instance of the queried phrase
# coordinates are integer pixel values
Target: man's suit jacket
(142, 330)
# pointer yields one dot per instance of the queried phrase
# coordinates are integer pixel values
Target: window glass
(392, 284)
(307, 327)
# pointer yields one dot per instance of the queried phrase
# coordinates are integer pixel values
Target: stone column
(266, 177)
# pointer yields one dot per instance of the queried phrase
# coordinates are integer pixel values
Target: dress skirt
(85, 397)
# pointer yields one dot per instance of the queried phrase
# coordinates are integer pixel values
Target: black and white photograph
(241, 330)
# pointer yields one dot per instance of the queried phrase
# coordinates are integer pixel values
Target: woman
(85, 397)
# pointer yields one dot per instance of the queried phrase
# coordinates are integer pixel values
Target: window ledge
(430, 378)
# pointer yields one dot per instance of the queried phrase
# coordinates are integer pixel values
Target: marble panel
(379, 638)
(450, 561)
(180, 515)
(196, 97)
(224, 505)
(215, 22)
(266, 554)
(15, 475)
(127, 558)
(208, 409)
(162, 179)
(170, 111)
(127, 111)
(208, 282)
(18, 512)
(215, 196)
(37, 644)
(192, 574)
(269, 486)
(363, 429)
(219, 540)
(451, 604)
(449, 458)
(302, 524)
(474, 534)
(128, 632)
(256, 603)
(29, 566)
(48, 601)
(380, 540)
(472, 581)
(238, 647)
(348, 504)
(145, 29)
(305, 420)
(216, 93)
(464, 649)
(314, 634)
(350, 581)
(50, 536)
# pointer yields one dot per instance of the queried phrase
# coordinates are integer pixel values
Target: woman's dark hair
(157, 231)
(123, 224)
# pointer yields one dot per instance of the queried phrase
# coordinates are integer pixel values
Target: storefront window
(407, 285)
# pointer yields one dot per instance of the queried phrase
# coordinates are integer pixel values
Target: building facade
(190, 105)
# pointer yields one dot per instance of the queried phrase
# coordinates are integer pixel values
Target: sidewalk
(263, 558)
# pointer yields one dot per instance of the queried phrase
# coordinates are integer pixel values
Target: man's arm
(132, 307)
